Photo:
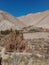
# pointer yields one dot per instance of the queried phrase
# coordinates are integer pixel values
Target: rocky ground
(26, 51)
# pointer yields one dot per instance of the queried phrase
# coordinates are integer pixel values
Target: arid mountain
(40, 19)
(7, 21)
(28, 43)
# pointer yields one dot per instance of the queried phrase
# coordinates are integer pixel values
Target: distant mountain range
(40, 19)
(8, 21)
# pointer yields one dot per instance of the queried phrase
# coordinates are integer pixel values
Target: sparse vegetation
(25, 60)
(34, 30)
(5, 32)
(33, 46)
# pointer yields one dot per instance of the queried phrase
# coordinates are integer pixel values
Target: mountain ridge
(36, 19)
(11, 20)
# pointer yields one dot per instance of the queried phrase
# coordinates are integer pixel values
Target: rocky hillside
(38, 19)
(8, 21)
